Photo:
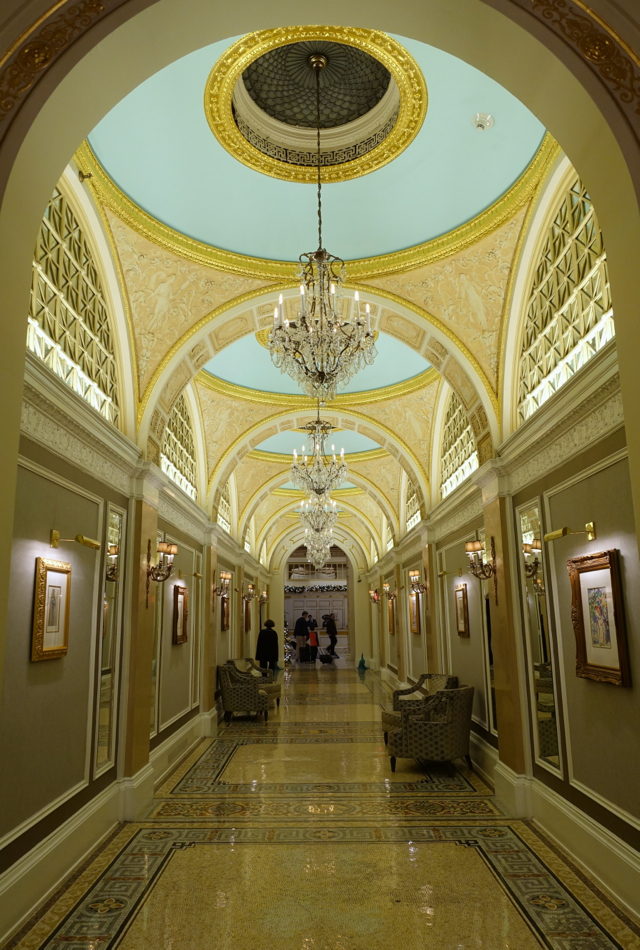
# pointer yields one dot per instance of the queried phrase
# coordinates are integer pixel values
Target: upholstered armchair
(412, 700)
(241, 693)
(439, 732)
(247, 667)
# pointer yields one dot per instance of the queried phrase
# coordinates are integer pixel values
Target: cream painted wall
(602, 722)
(176, 659)
(47, 706)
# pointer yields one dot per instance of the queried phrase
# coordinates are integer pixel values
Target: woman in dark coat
(267, 646)
(333, 634)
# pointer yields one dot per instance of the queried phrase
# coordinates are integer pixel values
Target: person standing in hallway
(267, 646)
(332, 632)
(301, 632)
(314, 642)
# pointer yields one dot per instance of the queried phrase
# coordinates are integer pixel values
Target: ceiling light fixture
(329, 340)
(318, 474)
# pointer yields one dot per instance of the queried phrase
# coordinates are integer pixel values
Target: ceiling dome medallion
(260, 104)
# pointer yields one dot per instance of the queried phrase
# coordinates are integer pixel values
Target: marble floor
(296, 835)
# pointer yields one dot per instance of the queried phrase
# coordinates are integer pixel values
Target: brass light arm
(55, 540)
(225, 581)
(589, 530)
(417, 587)
(458, 573)
(161, 571)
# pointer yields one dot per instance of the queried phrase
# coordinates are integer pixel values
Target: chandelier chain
(317, 71)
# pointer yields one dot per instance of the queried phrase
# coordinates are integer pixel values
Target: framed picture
(224, 613)
(597, 613)
(52, 600)
(462, 610)
(247, 616)
(180, 613)
(414, 611)
(392, 616)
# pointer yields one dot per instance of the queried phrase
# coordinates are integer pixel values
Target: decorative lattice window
(569, 316)
(413, 506)
(68, 320)
(459, 457)
(224, 509)
(247, 541)
(263, 554)
(178, 456)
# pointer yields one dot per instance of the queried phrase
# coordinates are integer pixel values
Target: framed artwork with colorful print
(597, 614)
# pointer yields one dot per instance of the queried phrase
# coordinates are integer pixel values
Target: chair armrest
(408, 690)
(435, 706)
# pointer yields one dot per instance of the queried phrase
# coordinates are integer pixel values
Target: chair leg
(469, 762)
(393, 763)
(228, 716)
(278, 702)
(386, 738)
(266, 715)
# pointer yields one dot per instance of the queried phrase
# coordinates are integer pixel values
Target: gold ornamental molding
(336, 493)
(107, 193)
(295, 403)
(229, 68)
(281, 458)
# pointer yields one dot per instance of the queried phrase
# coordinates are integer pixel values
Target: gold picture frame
(597, 614)
(462, 610)
(180, 613)
(414, 611)
(224, 614)
(50, 636)
(391, 607)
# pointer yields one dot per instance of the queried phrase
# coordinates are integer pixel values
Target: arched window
(459, 456)
(68, 319)
(224, 509)
(569, 316)
(413, 506)
(178, 456)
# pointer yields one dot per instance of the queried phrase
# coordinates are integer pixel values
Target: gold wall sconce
(113, 561)
(416, 586)
(589, 530)
(484, 571)
(55, 540)
(531, 568)
(262, 599)
(161, 571)
(374, 596)
(251, 593)
(225, 581)
(390, 594)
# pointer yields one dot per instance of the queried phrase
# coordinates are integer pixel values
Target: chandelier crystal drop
(318, 515)
(316, 473)
(329, 339)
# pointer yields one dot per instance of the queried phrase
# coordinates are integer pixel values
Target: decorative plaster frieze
(74, 448)
(606, 418)
(172, 510)
(460, 517)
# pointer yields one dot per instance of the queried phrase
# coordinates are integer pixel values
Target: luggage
(305, 656)
(324, 657)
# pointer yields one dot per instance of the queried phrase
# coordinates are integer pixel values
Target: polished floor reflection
(295, 834)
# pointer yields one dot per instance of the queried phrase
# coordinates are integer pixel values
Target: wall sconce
(374, 596)
(474, 551)
(55, 540)
(262, 599)
(112, 563)
(416, 586)
(589, 530)
(161, 571)
(223, 590)
(251, 593)
(531, 568)
(388, 593)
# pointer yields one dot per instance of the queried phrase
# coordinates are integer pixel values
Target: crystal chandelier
(330, 339)
(317, 474)
(317, 515)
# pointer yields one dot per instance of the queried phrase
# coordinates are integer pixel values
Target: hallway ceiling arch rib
(292, 538)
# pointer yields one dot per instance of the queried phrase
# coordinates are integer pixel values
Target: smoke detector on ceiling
(483, 121)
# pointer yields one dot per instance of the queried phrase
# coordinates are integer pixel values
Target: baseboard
(389, 678)
(165, 756)
(605, 858)
(484, 758)
(613, 864)
(209, 723)
(35, 877)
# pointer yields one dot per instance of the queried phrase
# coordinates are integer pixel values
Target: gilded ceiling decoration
(466, 292)
(260, 78)
(251, 477)
(168, 295)
(412, 415)
(385, 474)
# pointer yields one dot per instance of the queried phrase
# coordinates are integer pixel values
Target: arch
(252, 436)
(291, 538)
(575, 98)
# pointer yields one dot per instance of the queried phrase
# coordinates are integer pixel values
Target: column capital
(493, 480)
(147, 483)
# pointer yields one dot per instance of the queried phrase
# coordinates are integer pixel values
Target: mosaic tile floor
(296, 835)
